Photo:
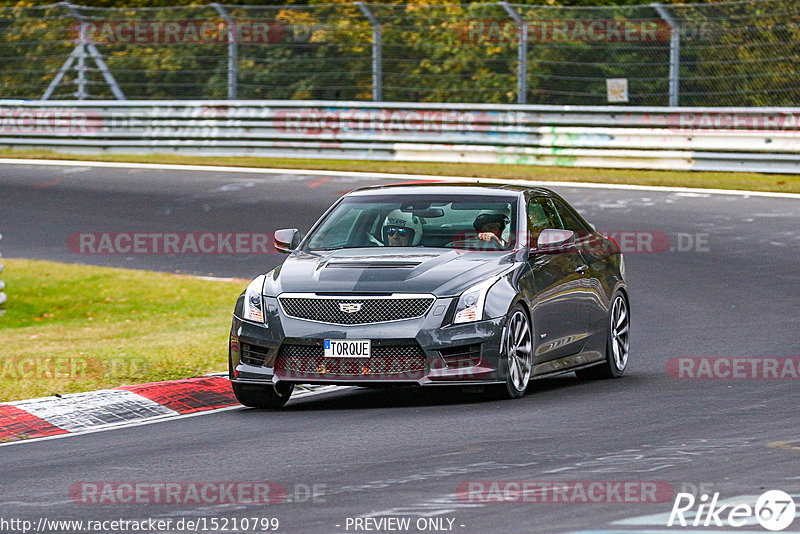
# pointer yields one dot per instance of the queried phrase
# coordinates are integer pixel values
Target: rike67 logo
(774, 510)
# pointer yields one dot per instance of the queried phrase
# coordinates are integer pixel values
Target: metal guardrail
(721, 139)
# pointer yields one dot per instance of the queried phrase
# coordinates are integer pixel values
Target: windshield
(470, 222)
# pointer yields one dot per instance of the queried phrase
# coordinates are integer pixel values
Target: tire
(617, 343)
(267, 396)
(516, 353)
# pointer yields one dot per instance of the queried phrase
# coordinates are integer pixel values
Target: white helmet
(400, 219)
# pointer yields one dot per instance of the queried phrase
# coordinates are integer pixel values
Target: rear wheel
(516, 356)
(266, 396)
(617, 344)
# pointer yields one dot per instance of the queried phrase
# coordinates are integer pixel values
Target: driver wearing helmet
(490, 227)
(401, 229)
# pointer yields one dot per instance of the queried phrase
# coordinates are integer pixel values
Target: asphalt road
(405, 453)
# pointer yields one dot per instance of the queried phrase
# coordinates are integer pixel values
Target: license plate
(347, 348)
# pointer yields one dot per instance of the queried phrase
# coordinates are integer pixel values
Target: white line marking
(166, 417)
(673, 531)
(77, 169)
(219, 279)
(392, 176)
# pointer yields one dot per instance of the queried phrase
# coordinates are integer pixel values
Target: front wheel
(516, 353)
(617, 344)
(266, 396)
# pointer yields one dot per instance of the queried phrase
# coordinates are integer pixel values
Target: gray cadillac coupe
(433, 284)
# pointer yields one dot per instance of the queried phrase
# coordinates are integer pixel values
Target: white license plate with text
(347, 348)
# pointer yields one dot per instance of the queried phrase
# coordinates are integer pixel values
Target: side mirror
(554, 241)
(286, 240)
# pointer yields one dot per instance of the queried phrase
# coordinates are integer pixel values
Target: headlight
(254, 301)
(470, 304)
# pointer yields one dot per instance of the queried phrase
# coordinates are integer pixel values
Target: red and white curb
(79, 413)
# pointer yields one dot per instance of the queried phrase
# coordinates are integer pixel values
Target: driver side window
(570, 221)
(542, 213)
(541, 216)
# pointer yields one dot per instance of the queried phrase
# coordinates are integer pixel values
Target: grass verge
(71, 328)
(714, 180)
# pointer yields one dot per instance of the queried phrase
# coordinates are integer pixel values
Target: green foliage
(117, 326)
(732, 54)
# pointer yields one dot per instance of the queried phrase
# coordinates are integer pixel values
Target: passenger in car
(490, 227)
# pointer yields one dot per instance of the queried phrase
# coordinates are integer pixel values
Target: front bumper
(421, 351)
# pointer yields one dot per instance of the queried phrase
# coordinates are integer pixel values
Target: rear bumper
(440, 353)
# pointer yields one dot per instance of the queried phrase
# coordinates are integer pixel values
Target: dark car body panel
(440, 272)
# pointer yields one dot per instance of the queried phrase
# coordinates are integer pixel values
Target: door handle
(582, 269)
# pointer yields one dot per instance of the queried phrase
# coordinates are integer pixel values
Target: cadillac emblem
(350, 307)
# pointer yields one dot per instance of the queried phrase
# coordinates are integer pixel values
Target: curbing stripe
(17, 424)
(95, 411)
(127, 424)
(390, 176)
(188, 396)
(81, 411)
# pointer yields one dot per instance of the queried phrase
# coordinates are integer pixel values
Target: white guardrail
(707, 139)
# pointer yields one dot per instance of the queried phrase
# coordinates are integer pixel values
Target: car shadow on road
(403, 397)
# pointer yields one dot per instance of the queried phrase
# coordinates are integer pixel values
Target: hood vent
(372, 264)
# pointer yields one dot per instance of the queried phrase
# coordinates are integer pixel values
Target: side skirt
(567, 364)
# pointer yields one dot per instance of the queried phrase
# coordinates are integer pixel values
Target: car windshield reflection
(461, 222)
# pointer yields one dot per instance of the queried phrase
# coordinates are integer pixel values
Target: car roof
(450, 188)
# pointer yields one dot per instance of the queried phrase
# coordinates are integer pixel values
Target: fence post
(522, 53)
(233, 51)
(80, 67)
(377, 59)
(2, 287)
(674, 53)
(79, 52)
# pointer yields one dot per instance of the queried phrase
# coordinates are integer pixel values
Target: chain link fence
(713, 54)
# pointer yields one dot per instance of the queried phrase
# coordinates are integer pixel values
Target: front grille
(252, 354)
(372, 310)
(405, 360)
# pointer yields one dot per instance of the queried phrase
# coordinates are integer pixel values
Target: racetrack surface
(405, 453)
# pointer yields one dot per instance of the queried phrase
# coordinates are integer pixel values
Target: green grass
(713, 180)
(71, 328)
